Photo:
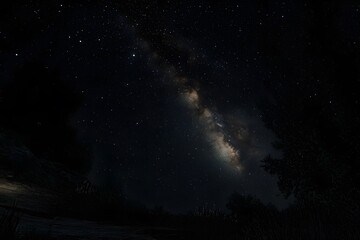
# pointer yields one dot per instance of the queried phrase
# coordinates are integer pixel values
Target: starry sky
(163, 96)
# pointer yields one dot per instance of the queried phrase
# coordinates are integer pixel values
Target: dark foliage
(9, 222)
(314, 111)
(37, 106)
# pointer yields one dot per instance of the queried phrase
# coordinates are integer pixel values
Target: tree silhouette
(36, 107)
(314, 111)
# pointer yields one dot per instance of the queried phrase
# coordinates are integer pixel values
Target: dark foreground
(23, 214)
(35, 213)
(35, 227)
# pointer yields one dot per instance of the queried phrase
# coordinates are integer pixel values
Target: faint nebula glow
(213, 130)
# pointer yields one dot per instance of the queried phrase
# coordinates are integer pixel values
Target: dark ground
(31, 209)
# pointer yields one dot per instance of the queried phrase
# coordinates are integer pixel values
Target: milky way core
(214, 131)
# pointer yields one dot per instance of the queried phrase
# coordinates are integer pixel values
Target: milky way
(213, 130)
(223, 143)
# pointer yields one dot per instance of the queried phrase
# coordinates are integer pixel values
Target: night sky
(157, 100)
